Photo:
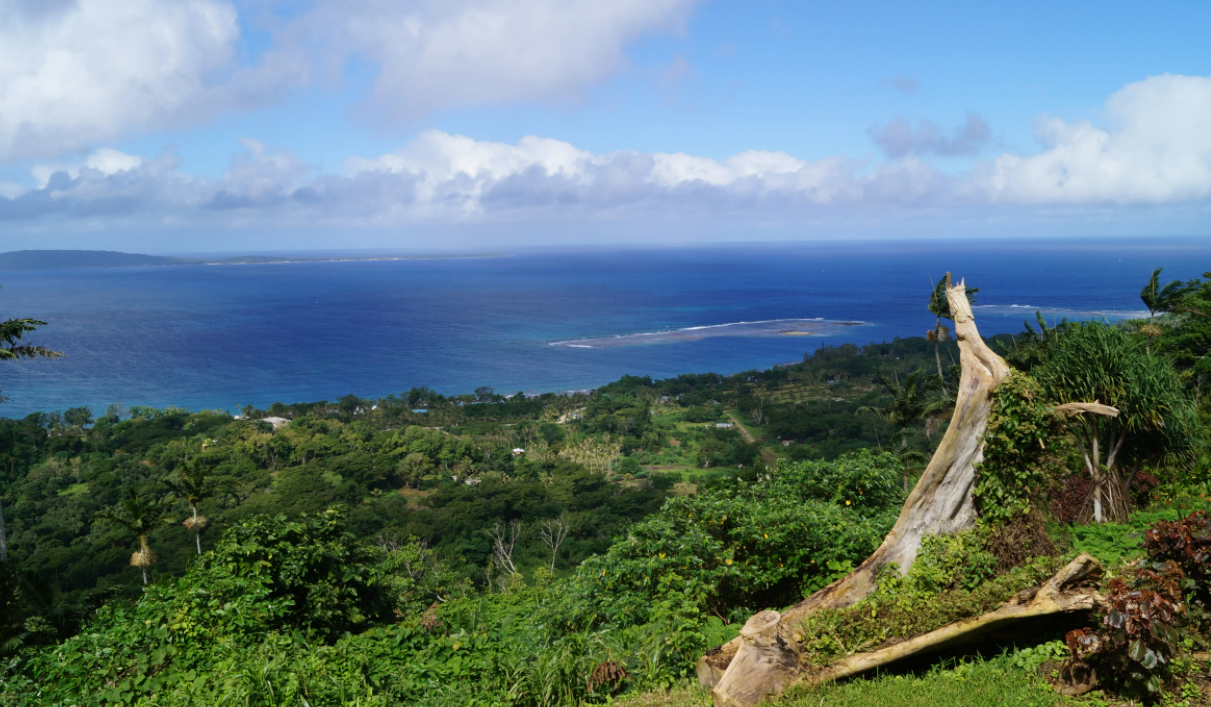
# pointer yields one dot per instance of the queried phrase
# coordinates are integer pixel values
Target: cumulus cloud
(1157, 149)
(76, 73)
(898, 138)
(437, 54)
(439, 176)
(1154, 150)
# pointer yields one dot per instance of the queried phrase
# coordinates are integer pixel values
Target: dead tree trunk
(941, 503)
(1060, 594)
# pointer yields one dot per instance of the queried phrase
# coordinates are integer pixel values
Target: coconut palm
(1161, 299)
(142, 519)
(194, 484)
(939, 306)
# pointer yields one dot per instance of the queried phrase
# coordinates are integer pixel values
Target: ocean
(221, 337)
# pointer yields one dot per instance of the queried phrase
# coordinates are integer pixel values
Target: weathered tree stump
(941, 503)
(766, 662)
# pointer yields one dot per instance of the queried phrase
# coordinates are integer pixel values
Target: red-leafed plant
(1186, 542)
(1071, 499)
(1138, 636)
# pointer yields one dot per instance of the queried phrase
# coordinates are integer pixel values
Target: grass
(979, 682)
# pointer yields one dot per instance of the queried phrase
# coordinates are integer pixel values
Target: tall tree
(13, 348)
(939, 306)
(141, 519)
(1110, 388)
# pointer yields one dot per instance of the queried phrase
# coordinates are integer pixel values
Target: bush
(1138, 638)
(744, 545)
(1021, 452)
(1187, 543)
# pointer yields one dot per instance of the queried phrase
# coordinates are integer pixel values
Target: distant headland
(64, 259)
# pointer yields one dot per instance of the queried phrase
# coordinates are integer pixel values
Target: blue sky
(207, 125)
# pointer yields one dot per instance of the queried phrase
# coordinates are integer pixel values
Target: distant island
(63, 259)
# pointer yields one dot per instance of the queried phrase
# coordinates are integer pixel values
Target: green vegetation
(574, 549)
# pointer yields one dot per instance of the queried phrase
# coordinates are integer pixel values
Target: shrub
(1021, 452)
(744, 544)
(1138, 636)
(1187, 543)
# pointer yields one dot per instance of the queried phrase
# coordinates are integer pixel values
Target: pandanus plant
(141, 519)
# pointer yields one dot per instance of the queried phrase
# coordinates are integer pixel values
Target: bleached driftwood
(1058, 595)
(1073, 409)
(747, 686)
(941, 503)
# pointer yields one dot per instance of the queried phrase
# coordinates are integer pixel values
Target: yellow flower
(847, 503)
(729, 562)
(662, 555)
(767, 536)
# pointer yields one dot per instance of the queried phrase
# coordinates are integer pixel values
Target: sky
(205, 126)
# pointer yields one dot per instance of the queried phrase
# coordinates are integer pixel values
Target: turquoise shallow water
(222, 336)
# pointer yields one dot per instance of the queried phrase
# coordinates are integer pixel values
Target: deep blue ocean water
(227, 336)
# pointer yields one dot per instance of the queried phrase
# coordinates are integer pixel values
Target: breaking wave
(770, 327)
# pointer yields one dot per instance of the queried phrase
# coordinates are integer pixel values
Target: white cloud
(77, 73)
(437, 54)
(1156, 149)
(73, 74)
(105, 160)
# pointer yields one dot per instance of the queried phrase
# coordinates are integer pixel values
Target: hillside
(61, 259)
(559, 550)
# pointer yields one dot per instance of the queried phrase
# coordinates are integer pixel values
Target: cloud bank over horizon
(1156, 152)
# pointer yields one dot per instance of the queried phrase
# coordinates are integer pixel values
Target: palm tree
(909, 404)
(195, 485)
(939, 306)
(12, 349)
(141, 519)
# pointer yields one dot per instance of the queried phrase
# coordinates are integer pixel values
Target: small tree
(413, 468)
(13, 348)
(553, 533)
(142, 519)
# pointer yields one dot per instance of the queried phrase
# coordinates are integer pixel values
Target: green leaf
(1137, 650)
